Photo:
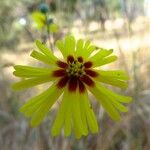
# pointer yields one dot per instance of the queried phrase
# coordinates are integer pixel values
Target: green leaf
(39, 19)
(53, 28)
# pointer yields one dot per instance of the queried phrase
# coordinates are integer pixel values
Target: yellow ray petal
(112, 81)
(84, 49)
(119, 74)
(27, 71)
(104, 61)
(65, 114)
(101, 54)
(88, 111)
(79, 47)
(34, 103)
(43, 58)
(104, 101)
(79, 129)
(60, 46)
(46, 51)
(59, 120)
(45, 106)
(112, 100)
(102, 57)
(67, 47)
(83, 113)
(27, 83)
(68, 114)
(118, 97)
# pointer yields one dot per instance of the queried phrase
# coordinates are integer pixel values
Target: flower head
(73, 77)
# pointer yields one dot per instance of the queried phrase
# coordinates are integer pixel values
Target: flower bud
(43, 8)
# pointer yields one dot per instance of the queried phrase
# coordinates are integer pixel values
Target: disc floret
(75, 73)
(76, 68)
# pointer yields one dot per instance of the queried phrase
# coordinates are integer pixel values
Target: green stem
(48, 33)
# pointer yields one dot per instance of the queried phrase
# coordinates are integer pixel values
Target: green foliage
(114, 5)
(43, 22)
(39, 19)
(53, 28)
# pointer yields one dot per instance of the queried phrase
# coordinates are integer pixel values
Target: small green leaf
(53, 28)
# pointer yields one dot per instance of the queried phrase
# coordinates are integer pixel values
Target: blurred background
(123, 25)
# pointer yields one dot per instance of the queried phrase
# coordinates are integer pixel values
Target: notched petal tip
(127, 99)
(113, 58)
(111, 50)
(35, 54)
(16, 66)
(37, 42)
(14, 73)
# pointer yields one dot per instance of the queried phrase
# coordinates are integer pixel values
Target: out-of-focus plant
(44, 23)
(7, 18)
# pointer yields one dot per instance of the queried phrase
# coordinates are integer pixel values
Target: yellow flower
(73, 77)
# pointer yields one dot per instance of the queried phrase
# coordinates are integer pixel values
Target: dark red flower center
(75, 74)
